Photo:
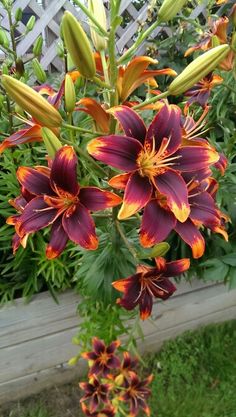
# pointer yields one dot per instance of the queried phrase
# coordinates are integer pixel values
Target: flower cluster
(113, 383)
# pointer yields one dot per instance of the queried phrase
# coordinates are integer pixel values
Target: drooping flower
(147, 283)
(60, 201)
(95, 392)
(136, 394)
(103, 357)
(153, 160)
(201, 91)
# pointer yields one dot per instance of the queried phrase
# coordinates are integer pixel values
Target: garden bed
(35, 339)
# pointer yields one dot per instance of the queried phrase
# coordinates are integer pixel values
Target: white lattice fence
(48, 15)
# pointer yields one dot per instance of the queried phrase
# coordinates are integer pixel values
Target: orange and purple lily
(60, 201)
(95, 392)
(103, 357)
(153, 160)
(136, 394)
(148, 283)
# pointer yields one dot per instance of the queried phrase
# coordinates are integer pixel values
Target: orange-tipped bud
(51, 142)
(198, 69)
(169, 9)
(78, 45)
(32, 102)
(96, 8)
(70, 98)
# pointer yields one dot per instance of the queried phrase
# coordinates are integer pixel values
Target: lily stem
(82, 130)
(91, 17)
(151, 100)
(125, 240)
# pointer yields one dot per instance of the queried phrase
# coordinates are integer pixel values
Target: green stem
(82, 130)
(91, 17)
(10, 118)
(125, 240)
(12, 33)
(151, 100)
(106, 75)
(113, 66)
(100, 83)
(139, 41)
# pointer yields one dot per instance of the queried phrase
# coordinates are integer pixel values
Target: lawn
(195, 376)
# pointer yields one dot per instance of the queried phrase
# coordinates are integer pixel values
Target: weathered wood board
(35, 339)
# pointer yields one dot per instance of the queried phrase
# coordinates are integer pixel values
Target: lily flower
(106, 412)
(218, 29)
(95, 110)
(147, 283)
(60, 201)
(201, 91)
(95, 392)
(103, 357)
(137, 394)
(153, 160)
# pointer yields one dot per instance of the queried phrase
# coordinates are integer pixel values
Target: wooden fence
(48, 15)
(35, 339)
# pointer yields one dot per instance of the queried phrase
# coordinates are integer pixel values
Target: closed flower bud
(51, 142)
(18, 14)
(233, 15)
(20, 67)
(5, 69)
(78, 45)
(73, 361)
(70, 98)
(96, 8)
(198, 69)
(4, 40)
(2, 99)
(38, 71)
(169, 9)
(38, 46)
(215, 41)
(233, 42)
(119, 379)
(32, 102)
(30, 24)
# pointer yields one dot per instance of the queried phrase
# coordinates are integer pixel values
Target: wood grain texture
(35, 339)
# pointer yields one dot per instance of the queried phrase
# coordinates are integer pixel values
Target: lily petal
(172, 185)
(63, 171)
(117, 151)
(177, 267)
(31, 134)
(95, 199)
(80, 227)
(130, 121)
(156, 225)
(119, 181)
(34, 181)
(131, 288)
(137, 194)
(36, 216)
(166, 124)
(145, 305)
(58, 240)
(204, 210)
(191, 235)
(96, 111)
(194, 158)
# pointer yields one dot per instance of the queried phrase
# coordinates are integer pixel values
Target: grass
(195, 376)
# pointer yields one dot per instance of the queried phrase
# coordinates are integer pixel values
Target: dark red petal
(204, 210)
(113, 346)
(130, 121)
(63, 172)
(137, 194)
(58, 240)
(96, 368)
(166, 124)
(89, 355)
(34, 181)
(36, 216)
(194, 158)
(191, 235)
(95, 199)
(176, 267)
(113, 362)
(145, 305)
(162, 288)
(172, 185)
(156, 225)
(118, 151)
(98, 346)
(80, 227)
(131, 287)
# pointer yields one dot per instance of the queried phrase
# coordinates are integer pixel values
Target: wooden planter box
(35, 339)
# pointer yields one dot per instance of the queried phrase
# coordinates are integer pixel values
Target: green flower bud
(38, 46)
(78, 45)
(70, 98)
(198, 69)
(51, 141)
(18, 14)
(96, 8)
(169, 9)
(30, 24)
(4, 40)
(38, 71)
(5, 69)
